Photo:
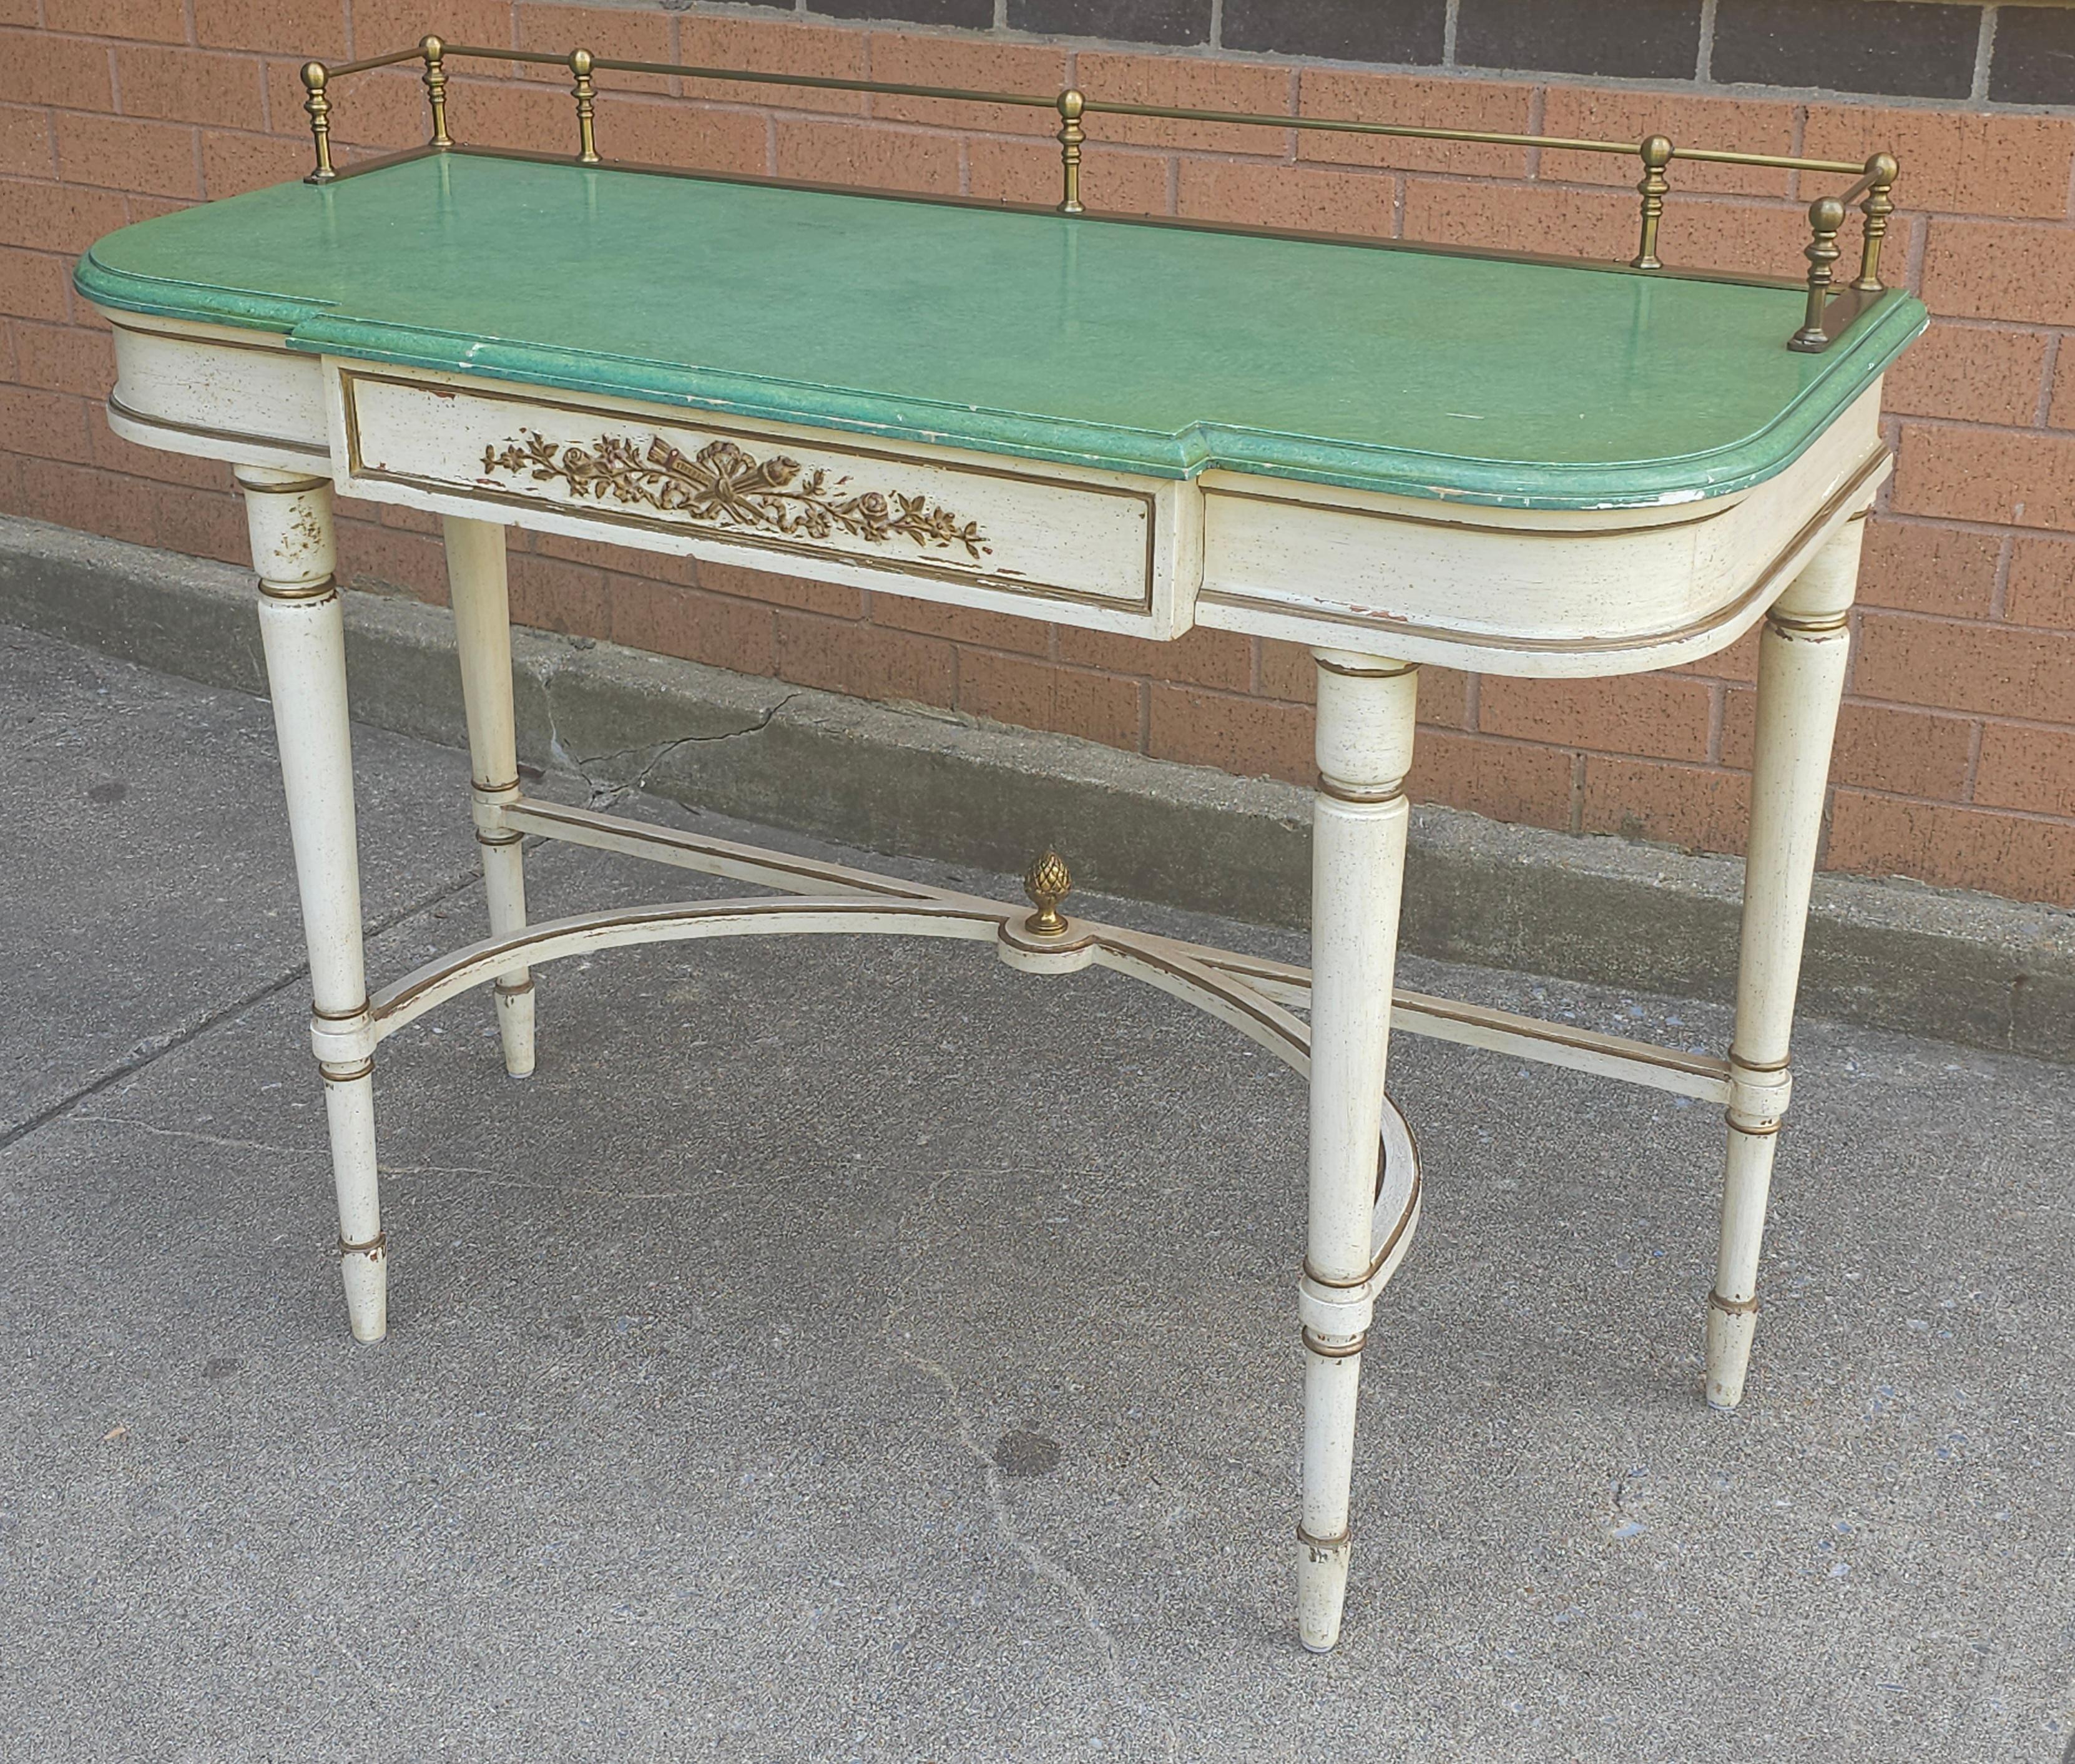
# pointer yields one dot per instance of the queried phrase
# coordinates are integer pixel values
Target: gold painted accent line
(1361, 795)
(1732, 1307)
(1337, 1350)
(522, 948)
(1706, 1069)
(279, 346)
(1396, 518)
(1737, 1061)
(493, 789)
(354, 1015)
(293, 486)
(513, 989)
(315, 593)
(1787, 625)
(1759, 1129)
(1360, 1280)
(346, 1074)
(1344, 1540)
(373, 1247)
(1765, 585)
(1346, 672)
(589, 827)
(498, 838)
(201, 431)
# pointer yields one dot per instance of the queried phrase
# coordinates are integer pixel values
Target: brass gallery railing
(1829, 312)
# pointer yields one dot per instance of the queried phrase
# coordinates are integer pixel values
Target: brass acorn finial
(1047, 883)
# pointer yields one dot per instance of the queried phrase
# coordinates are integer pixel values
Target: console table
(1393, 454)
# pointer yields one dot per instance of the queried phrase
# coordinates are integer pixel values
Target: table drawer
(798, 494)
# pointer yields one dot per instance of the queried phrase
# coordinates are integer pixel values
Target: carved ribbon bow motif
(723, 484)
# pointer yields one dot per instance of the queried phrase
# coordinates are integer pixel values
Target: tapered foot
(514, 1026)
(365, 1269)
(1322, 1589)
(1732, 1329)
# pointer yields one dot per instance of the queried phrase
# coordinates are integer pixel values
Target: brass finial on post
(1879, 206)
(1826, 216)
(1047, 883)
(1656, 154)
(1071, 104)
(434, 52)
(581, 65)
(319, 107)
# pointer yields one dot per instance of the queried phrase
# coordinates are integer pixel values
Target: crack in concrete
(494, 1179)
(149, 1052)
(1055, 1573)
(603, 792)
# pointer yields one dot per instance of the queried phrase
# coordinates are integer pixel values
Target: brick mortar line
(1785, 96)
(1206, 52)
(1917, 615)
(1974, 425)
(2031, 817)
(1872, 791)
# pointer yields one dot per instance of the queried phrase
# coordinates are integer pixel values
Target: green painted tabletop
(1156, 349)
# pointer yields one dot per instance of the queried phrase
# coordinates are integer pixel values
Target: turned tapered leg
(1358, 825)
(302, 628)
(1802, 655)
(482, 625)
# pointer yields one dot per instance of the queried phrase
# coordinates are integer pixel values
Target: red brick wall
(1957, 756)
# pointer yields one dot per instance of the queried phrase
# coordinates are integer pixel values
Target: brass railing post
(1826, 215)
(434, 52)
(1071, 138)
(319, 107)
(1656, 154)
(1877, 206)
(581, 64)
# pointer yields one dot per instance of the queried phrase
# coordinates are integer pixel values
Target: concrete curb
(1965, 967)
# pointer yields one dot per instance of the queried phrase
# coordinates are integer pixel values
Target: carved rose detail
(724, 485)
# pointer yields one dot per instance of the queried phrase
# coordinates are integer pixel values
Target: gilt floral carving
(727, 486)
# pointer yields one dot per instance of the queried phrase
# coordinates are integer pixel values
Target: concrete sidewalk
(860, 1350)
